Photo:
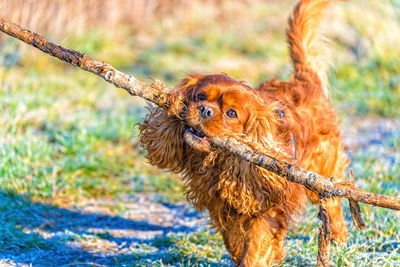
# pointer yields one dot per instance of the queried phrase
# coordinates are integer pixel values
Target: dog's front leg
(259, 241)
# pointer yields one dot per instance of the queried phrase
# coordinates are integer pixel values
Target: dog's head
(217, 105)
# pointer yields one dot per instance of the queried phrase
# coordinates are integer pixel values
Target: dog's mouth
(196, 139)
(198, 134)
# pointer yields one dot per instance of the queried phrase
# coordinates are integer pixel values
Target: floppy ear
(186, 87)
(161, 136)
(269, 132)
(249, 189)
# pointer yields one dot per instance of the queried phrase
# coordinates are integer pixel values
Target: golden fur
(248, 205)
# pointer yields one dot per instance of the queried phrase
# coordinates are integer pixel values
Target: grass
(200, 248)
(67, 138)
(369, 88)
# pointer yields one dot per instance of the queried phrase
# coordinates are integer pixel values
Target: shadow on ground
(45, 235)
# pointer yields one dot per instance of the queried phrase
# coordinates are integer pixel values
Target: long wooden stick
(160, 95)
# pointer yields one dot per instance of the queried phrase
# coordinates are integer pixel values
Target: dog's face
(216, 105)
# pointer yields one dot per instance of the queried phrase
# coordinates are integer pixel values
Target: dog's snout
(206, 112)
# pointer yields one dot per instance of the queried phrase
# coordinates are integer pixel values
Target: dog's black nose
(206, 112)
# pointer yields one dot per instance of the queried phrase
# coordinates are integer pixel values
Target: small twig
(356, 215)
(355, 208)
(324, 236)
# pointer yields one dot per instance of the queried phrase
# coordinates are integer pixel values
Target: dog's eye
(201, 97)
(231, 114)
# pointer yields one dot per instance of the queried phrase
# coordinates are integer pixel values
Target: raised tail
(307, 50)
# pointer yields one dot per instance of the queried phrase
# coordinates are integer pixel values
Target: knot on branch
(109, 76)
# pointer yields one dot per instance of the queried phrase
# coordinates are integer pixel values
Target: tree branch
(160, 95)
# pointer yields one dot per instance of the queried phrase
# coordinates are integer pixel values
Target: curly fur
(250, 206)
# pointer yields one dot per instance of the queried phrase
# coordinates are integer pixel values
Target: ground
(143, 230)
(75, 188)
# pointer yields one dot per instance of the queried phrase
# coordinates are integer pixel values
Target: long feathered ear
(268, 132)
(161, 136)
(247, 188)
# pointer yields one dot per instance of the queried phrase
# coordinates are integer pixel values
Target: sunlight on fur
(248, 205)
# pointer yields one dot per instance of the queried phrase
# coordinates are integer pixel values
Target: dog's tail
(307, 51)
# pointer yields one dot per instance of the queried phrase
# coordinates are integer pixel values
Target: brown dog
(250, 206)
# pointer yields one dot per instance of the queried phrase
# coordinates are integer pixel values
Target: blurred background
(75, 187)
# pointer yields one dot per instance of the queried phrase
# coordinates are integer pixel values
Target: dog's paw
(340, 236)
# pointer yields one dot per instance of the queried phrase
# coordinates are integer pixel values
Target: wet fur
(250, 206)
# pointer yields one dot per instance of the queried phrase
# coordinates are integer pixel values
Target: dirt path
(96, 231)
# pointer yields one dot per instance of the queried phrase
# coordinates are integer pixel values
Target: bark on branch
(320, 184)
(156, 93)
(324, 236)
(160, 95)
